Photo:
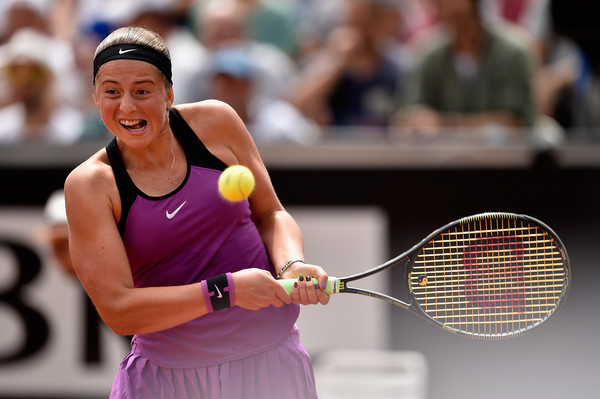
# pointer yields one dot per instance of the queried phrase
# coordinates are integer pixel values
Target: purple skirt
(284, 372)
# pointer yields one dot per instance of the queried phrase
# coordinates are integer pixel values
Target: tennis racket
(491, 275)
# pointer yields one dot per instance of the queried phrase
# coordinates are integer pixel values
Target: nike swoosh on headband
(135, 52)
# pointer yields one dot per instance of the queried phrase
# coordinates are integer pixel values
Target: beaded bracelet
(284, 268)
(218, 292)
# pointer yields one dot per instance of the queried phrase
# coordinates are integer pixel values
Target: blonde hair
(136, 35)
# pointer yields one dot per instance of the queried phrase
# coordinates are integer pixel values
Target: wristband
(218, 292)
(284, 268)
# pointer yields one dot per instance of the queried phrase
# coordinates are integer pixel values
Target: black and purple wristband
(218, 292)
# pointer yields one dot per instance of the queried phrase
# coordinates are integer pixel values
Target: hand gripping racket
(492, 275)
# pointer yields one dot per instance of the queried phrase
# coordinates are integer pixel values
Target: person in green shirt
(473, 76)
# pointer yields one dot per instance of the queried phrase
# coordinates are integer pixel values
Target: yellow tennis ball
(236, 183)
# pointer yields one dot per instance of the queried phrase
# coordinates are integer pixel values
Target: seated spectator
(356, 77)
(311, 21)
(14, 16)
(20, 14)
(269, 22)
(188, 55)
(269, 120)
(558, 60)
(34, 111)
(577, 21)
(224, 23)
(473, 76)
(56, 231)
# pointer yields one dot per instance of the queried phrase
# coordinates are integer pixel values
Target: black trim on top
(195, 150)
(196, 155)
(127, 190)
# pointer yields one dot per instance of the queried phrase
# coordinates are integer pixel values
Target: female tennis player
(165, 258)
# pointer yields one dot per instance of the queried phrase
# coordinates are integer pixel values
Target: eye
(142, 92)
(111, 92)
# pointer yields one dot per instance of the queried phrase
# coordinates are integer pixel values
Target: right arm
(101, 263)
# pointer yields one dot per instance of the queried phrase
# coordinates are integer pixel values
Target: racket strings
(490, 277)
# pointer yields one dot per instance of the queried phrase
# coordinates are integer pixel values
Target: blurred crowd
(292, 68)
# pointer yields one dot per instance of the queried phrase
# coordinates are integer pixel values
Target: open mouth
(138, 124)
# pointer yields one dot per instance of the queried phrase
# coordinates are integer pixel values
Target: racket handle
(332, 286)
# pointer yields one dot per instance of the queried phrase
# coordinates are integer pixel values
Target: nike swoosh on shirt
(172, 215)
(121, 51)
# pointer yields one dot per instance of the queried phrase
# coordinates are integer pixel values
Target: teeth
(131, 123)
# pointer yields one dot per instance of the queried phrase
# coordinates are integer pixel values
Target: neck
(161, 173)
(158, 159)
(37, 115)
(469, 38)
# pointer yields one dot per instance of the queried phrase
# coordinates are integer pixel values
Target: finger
(322, 282)
(303, 295)
(296, 293)
(308, 290)
(322, 297)
(283, 295)
(311, 290)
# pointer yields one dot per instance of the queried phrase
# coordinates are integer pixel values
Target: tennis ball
(236, 183)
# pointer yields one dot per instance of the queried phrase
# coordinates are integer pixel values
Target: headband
(130, 51)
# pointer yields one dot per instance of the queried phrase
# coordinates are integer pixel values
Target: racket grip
(288, 284)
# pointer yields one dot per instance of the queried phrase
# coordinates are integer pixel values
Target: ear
(95, 98)
(170, 97)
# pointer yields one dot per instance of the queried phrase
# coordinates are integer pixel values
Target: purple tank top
(190, 235)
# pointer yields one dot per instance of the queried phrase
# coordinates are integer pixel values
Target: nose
(127, 103)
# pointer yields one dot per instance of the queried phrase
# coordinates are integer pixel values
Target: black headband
(138, 52)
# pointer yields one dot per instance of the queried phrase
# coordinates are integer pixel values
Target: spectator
(577, 21)
(35, 113)
(187, 53)
(20, 14)
(528, 18)
(269, 23)
(475, 76)
(558, 61)
(355, 78)
(14, 16)
(312, 20)
(420, 18)
(269, 120)
(57, 231)
(55, 236)
(224, 23)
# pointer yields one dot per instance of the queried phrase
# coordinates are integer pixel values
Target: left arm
(279, 231)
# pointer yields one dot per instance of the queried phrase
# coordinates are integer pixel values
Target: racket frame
(340, 284)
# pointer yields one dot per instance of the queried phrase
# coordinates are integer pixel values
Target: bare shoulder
(91, 172)
(206, 109)
(209, 115)
(218, 126)
(91, 185)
